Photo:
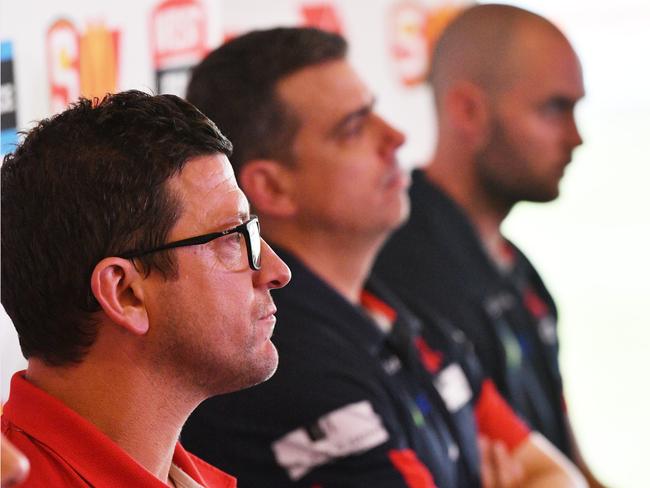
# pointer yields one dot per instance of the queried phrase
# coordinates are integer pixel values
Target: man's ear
(468, 110)
(118, 287)
(268, 184)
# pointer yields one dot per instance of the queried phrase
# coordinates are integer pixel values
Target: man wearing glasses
(139, 286)
(362, 398)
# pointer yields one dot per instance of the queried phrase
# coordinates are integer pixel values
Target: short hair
(235, 86)
(479, 44)
(88, 183)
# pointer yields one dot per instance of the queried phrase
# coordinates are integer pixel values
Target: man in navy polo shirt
(506, 82)
(364, 395)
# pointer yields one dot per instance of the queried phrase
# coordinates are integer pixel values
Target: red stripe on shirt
(496, 419)
(430, 358)
(416, 474)
(373, 304)
(535, 304)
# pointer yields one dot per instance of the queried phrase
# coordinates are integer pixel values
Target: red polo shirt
(65, 449)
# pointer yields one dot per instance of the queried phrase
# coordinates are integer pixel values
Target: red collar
(84, 448)
(383, 314)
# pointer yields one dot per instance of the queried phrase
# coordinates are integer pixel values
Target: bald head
(489, 45)
(506, 83)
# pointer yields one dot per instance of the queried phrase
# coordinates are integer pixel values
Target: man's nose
(274, 272)
(574, 138)
(392, 138)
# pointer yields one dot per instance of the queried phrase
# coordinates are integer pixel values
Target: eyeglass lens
(255, 241)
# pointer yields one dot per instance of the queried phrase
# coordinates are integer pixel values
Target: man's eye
(353, 129)
(227, 244)
(233, 240)
(229, 250)
(557, 107)
(553, 107)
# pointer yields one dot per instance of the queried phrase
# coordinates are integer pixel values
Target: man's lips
(269, 314)
(396, 178)
(268, 320)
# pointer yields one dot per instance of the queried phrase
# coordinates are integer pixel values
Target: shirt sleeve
(496, 419)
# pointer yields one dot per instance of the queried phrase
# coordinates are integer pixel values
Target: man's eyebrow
(242, 215)
(361, 112)
(563, 101)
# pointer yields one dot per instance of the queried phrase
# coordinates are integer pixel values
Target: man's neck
(459, 183)
(343, 260)
(125, 403)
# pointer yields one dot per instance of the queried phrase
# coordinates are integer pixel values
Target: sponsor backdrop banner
(178, 34)
(7, 98)
(591, 244)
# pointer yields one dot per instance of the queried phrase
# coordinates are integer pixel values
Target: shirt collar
(79, 443)
(308, 294)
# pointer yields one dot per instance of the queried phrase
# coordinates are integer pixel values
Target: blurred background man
(360, 397)
(506, 83)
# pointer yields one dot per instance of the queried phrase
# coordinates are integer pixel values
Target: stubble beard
(505, 190)
(198, 364)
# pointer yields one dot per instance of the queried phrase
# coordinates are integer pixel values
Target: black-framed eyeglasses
(249, 229)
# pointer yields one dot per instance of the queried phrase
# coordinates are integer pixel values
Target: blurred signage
(81, 63)
(179, 41)
(413, 32)
(8, 136)
(324, 16)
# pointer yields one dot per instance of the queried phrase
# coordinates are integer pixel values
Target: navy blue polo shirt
(350, 404)
(436, 263)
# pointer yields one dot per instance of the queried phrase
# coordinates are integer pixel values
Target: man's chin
(543, 195)
(401, 210)
(261, 367)
(268, 363)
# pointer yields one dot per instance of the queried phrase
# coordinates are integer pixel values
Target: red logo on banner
(80, 64)
(413, 32)
(178, 42)
(178, 32)
(323, 16)
(63, 64)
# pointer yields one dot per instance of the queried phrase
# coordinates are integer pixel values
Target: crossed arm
(532, 462)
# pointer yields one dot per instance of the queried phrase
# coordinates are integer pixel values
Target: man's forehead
(209, 192)
(208, 170)
(548, 69)
(334, 86)
(539, 49)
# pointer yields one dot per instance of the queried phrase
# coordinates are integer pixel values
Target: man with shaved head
(506, 82)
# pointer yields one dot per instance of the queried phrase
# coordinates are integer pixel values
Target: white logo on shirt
(453, 387)
(351, 429)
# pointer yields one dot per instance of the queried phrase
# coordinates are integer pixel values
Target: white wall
(591, 245)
